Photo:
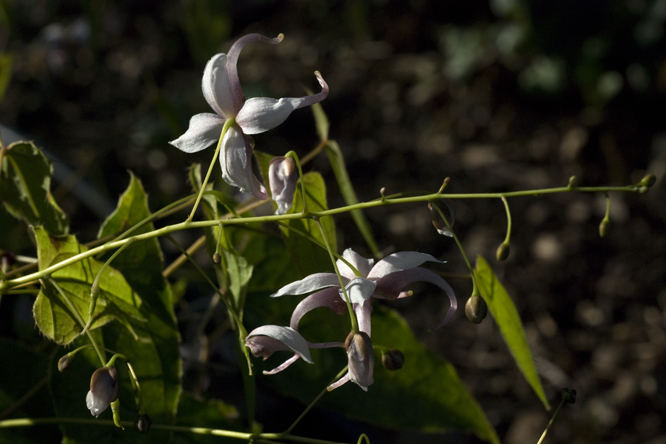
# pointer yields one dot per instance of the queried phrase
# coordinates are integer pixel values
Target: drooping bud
(503, 251)
(604, 226)
(104, 389)
(142, 423)
(360, 359)
(436, 218)
(283, 175)
(393, 359)
(65, 362)
(217, 258)
(569, 395)
(476, 309)
(648, 180)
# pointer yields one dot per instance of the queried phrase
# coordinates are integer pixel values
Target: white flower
(222, 90)
(104, 389)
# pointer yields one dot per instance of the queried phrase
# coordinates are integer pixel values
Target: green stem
(314, 401)
(227, 124)
(4, 285)
(79, 319)
(27, 422)
(475, 288)
(352, 315)
(508, 220)
(565, 398)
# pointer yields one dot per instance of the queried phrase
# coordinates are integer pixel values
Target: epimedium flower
(104, 389)
(222, 90)
(267, 339)
(384, 280)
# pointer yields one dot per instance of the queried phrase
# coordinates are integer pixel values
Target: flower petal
(361, 360)
(204, 130)
(363, 316)
(236, 163)
(359, 290)
(362, 264)
(216, 87)
(310, 283)
(398, 262)
(286, 335)
(260, 114)
(327, 297)
(232, 60)
(390, 286)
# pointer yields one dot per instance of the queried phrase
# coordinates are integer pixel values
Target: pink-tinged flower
(104, 389)
(283, 175)
(384, 280)
(222, 90)
(267, 339)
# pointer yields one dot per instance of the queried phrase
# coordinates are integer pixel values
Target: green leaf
(25, 188)
(426, 394)
(155, 355)
(505, 314)
(54, 315)
(308, 257)
(349, 195)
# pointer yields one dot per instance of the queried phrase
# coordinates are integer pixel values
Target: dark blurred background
(499, 96)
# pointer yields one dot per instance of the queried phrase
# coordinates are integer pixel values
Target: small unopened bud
(437, 220)
(104, 389)
(503, 251)
(360, 358)
(283, 175)
(476, 309)
(217, 258)
(604, 226)
(142, 423)
(569, 395)
(648, 180)
(393, 359)
(65, 362)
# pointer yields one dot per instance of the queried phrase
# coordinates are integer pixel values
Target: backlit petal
(217, 89)
(359, 290)
(236, 164)
(204, 131)
(362, 264)
(398, 262)
(327, 297)
(286, 335)
(310, 283)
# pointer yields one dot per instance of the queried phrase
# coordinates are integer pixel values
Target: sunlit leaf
(53, 313)
(25, 188)
(505, 314)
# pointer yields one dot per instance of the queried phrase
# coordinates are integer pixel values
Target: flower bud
(503, 251)
(604, 226)
(217, 258)
(436, 218)
(360, 358)
(142, 423)
(648, 180)
(65, 362)
(283, 175)
(569, 395)
(104, 389)
(393, 359)
(476, 309)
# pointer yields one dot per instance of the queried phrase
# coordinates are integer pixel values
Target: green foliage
(305, 255)
(57, 317)
(25, 187)
(505, 314)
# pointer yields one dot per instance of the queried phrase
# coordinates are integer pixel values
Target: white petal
(288, 336)
(359, 290)
(310, 283)
(204, 130)
(216, 87)
(260, 114)
(399, 261)
(362, 264)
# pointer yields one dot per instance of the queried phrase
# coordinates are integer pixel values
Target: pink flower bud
(361, 359)
(283, 175)
(104, 389)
